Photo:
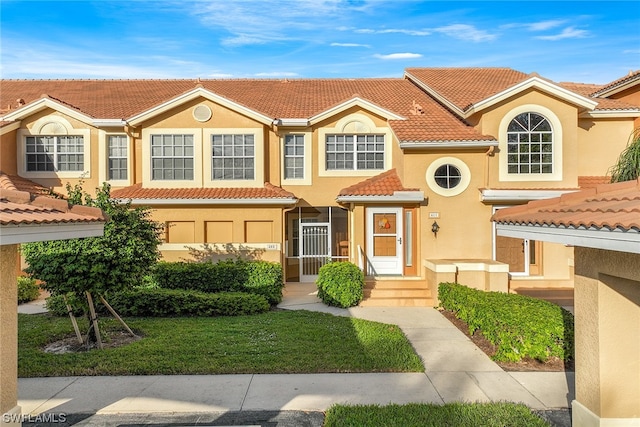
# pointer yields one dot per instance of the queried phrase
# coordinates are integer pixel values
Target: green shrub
(56, 306)
(226, 275)
(180, 302)
(264, 278)
(28, 289)
(258, 277)
(340, 284)
(520, 326)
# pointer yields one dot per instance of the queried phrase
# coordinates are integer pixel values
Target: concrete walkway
(456, 370)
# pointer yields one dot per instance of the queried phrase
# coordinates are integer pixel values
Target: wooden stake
(73, 320)
(106, 304)
(94, 319)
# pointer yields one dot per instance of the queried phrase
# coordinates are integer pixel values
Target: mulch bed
(554, 364)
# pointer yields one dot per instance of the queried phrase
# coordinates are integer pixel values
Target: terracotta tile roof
(136, 191)
(464, 87)
(385, 184)
(21, 208)
(15, 182)
(607, 206)
(633, 75)
(304, 98)
(585, 182)
(588, 90)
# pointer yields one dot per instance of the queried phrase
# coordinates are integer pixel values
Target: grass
(274, 342)
(426, 415)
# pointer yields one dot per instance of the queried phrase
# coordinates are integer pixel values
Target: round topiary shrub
(340, 284)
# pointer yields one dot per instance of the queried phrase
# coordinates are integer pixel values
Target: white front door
(384, 241)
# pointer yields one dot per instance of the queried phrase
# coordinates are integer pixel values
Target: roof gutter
(397, 197)
(449, 144)
(291, 122)
(105, 123)
(498, 196)
(194, 202)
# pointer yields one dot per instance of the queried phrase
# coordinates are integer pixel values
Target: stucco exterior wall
(8, 331)
(9, 155)
(604, 140)
(607, 306)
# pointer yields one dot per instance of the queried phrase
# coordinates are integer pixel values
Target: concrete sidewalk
(456, 370)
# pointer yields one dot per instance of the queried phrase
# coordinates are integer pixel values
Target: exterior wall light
(435, 228)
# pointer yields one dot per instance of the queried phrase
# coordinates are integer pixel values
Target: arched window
(530, 147)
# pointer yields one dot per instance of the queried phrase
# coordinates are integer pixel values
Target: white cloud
(350, 45)
(393, 30)
(631, 51)
(465, 32)
(536, 26)
(405, 55)
(567, 33)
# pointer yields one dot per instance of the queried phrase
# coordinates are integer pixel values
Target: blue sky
(580, 41)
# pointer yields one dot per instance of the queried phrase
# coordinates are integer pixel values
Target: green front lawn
(425, 415)
(274, 342)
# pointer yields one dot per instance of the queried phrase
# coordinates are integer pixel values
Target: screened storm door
(315, 249)
(384, 241)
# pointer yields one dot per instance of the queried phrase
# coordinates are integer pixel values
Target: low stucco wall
(607, 320)
(483, 274)
(8, 333)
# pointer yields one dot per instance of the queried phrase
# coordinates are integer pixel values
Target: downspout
(490, 153)
(352, 233)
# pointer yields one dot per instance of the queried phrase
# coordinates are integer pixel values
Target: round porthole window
(448, 176)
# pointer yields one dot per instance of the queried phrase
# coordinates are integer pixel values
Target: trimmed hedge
(257, 277)
(144, 302)
(340, 284)
(180, 302)
(28, 289)
(520, 326)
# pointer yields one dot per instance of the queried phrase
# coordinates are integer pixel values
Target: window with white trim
(117, 157)
(529, 145)
(233, 157)
(294, 156)
(54, 153)
(172, 157)
(354, 152)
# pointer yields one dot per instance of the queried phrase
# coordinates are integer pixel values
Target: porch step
(560, 296)
(387, 292)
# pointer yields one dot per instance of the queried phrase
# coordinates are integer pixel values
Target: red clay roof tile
(304, 98)
(19, 208)
(15, 182)
(592, 181)
(384, 184)
(612, 206)
(269, 191)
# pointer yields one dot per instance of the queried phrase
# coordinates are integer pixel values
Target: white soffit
(397, 197)
(602, 238)
(44, 103)
(26, 233)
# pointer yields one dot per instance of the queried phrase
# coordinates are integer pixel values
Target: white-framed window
(355, 152)
(448, 176)
(232, 157)
(117, 157)
(172, 157)
(529, 144)
(294, 156)
(54, 153)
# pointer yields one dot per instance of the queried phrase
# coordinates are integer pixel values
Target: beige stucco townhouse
(400, 175)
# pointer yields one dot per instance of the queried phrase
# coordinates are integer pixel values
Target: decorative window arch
(52, 147)
(530, 145)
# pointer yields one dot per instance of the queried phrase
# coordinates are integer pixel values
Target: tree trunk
(106, 304)
(94, 319)
(73, 320)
